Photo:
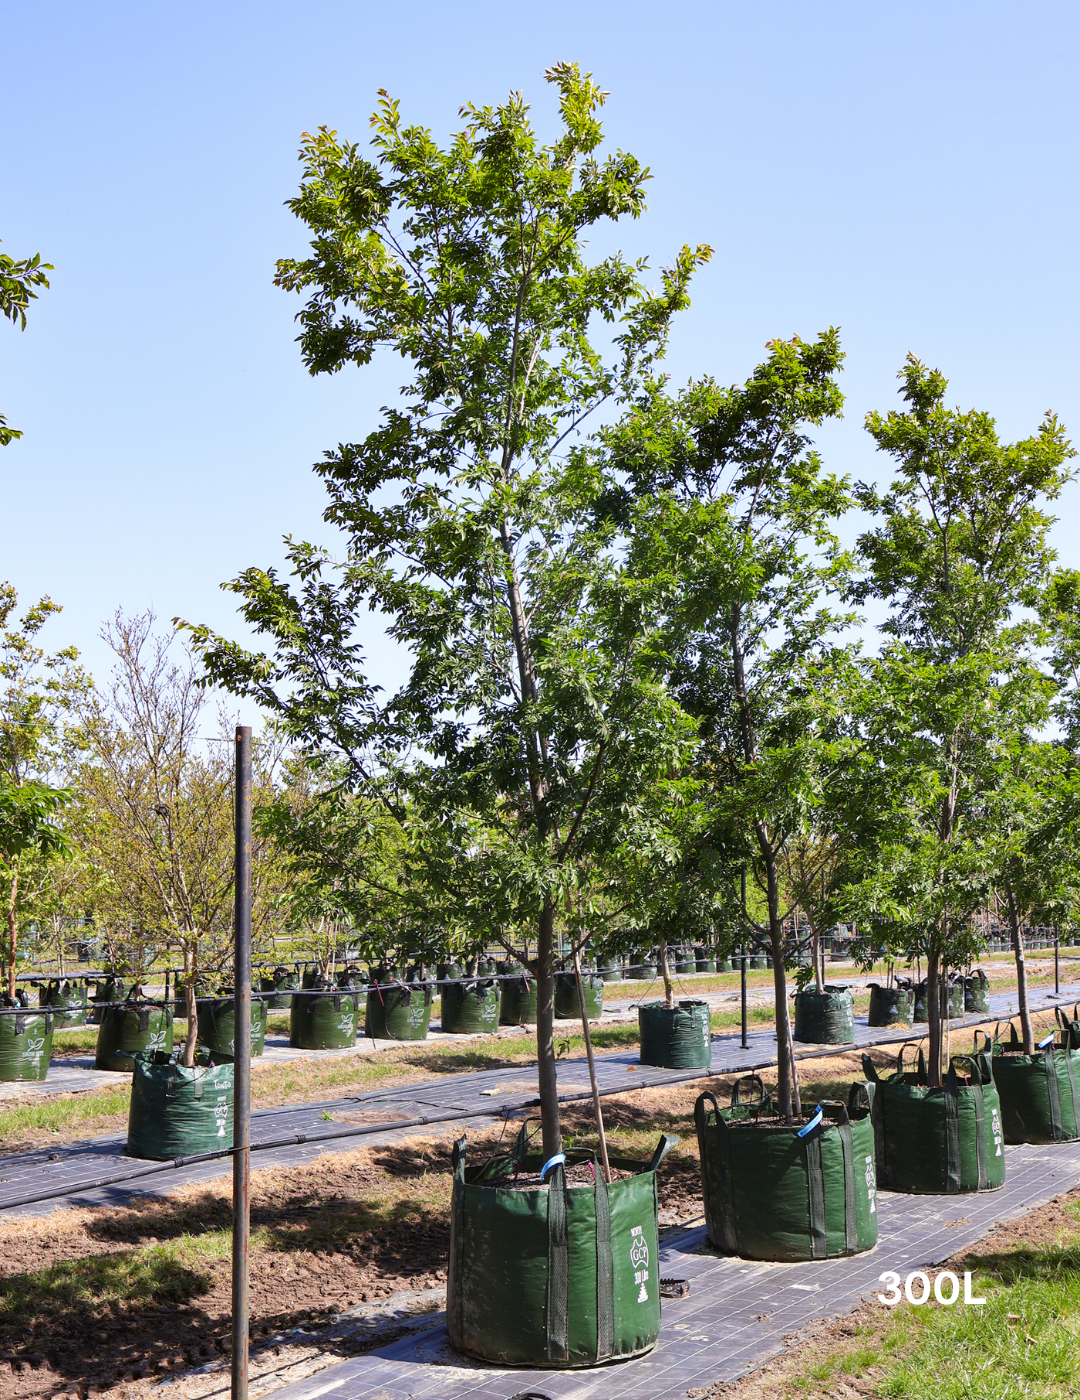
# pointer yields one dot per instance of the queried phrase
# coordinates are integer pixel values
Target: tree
(19, 280)
(534, 728)
(155, 811)
(742, 511)
(37, 695)
(959, 549)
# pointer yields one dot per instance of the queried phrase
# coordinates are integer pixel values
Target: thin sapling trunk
(665, 973)
(545, 1032)
(933, 1016)
(1017, 931)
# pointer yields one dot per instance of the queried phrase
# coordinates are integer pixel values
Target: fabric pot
(777, 1191)
(952, 1002)
(824, 1018)
(25, 1041)
(105, 993)
(556, 1277)
(684, 961)
(281, 984)
(469, 1007)
(1039, 1093)
(129, 1026)
(517, 1002)
(398, 1012)
(323, 1015)
(66, 1000)
(936, 1141)
(977, 995)
(567, 1006)
(890, 1006)
(610, 970)
(217, 1024)
(675, 1037)
(178, 1112)
(756, 962)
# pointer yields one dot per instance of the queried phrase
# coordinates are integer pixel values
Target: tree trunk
(783, 1023)
(817, 952)
(1021, 976)
(191, 1010)
(545, 1032)
(665, 973)
(13, 936)
(933, 1017)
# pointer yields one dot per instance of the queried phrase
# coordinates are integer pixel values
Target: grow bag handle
(663, 1147)
(860, 1097)
(834, 1110)
(869, 1069)
(736, 1088)
(909, 1045)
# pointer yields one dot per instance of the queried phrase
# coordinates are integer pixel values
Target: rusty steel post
(241, 1066)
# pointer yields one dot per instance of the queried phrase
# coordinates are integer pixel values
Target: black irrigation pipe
(460, 1115)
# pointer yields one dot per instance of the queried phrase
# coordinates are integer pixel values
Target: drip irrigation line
(460, 1114)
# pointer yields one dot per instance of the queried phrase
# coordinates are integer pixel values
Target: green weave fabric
(517, 1002)
(469, 1007)
(67, 1000)
(217, 1024)
(567, 1007)
(1039, 1093)
(675, 1037)
(129, 1026)
(178, 1112)
(890, 1006)
(937, 1141)
(26, 1038)
(326, 1017)
(557, 1277)
(282, 982)
(771, 1194)
(824, 1018)
(398, 1013)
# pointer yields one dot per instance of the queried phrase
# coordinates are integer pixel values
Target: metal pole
(1057, 967)
(241, 1067)
(592, 1067)
(745, 1044)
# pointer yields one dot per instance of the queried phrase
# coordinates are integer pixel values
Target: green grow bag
(787, 1192)
(66, 1000)
(324, 1015)
(558, 1276)
(567, 1006)
(727, 965)
(398, 1012)
(178, 1112)
(469, 1007)
(217, 1024)
(517, 1002)
(756, 962)
(953, 1001)
(890, 1006)
(675, 1037)
(936, 1141)
(26, 1039)
(824, 1018)
(684, 961)
(1039, 1093)
(977, 994)
(610, 969)
(641, 968)
(129, 1026)
(281, 984)
(104, 994)
(704, 961)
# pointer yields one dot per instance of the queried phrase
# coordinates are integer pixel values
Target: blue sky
(906, 172)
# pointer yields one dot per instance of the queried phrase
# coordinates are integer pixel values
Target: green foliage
(535, 733)
(19, 280)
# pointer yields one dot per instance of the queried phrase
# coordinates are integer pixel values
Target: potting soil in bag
(217, 1023)
(567, 1006)
(936, 1141)
(66, 1000)
(517, 1001)
(469, 1006)
(675, 1037)
(1039, 1093)
(324, 1015)
(282, 982)
(398, 1012)
(129, 1026)
(824, 1018)
(26, 1038)
(891, 1006)
(787, 1192)
(557, 1274)
(977, 993)
(179, 1112)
